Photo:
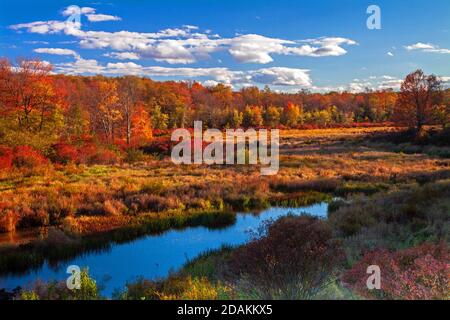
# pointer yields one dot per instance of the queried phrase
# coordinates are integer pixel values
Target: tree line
(39, 108)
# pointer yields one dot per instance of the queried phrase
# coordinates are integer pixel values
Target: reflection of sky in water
(155, 256)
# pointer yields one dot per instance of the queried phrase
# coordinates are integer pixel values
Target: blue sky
(289, 45)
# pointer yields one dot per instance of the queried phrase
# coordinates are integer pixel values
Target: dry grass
(99, 198)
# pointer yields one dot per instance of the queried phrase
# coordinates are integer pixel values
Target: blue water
(154, 256)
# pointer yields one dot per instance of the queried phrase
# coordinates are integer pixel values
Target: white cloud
(122, 55)
(48, 27)
(210, 83)
(390, 84)
(445, 81)
(277, 76)
(419, 46)
(427, 47)
(282, 76)
(257, 49)
(253, 48)
(35, 42)
(390, 54)
(383, 82)
(90, 13)
(57, 51)
(70, 10)
(102, 17)
(186, 44)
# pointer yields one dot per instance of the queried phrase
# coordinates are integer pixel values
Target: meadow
(388, 201)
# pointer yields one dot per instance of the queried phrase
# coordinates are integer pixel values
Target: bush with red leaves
(420, 272)
(159, 145)
(104, 156)
(6, 158)
(28, 158)
(65, 153)
(85, 151)
(295, 259)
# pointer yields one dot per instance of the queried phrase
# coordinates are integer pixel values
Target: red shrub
(104, 156)
(65, 153)
(91, 152)
(29, 158)
(6, 157)
(86, 152)
(294, 260)
(159, 145)
(416, 273)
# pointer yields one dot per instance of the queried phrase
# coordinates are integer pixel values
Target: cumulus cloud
(282, 76)
(258, 49)
(253, 48)
(185, 45)
(427, 47)
(277, 76)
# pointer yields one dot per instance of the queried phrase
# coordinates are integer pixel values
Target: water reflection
(155, 255)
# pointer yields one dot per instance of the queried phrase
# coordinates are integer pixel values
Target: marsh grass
(390, 199)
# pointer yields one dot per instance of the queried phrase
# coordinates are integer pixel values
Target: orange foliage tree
(418, 94)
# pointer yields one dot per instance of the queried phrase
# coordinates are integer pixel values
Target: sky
(320, 45)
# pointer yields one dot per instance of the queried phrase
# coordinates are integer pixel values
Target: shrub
(8, 220)
(90, 152)
(6, 157)
(321, 185)
(159, 145)
(59, 291)
(293, 258)
(65, 153)
(134, 155)
(174, 288)
(104, 156)
(154, 203)
(28, 158)
(114, 207)
(416, 273)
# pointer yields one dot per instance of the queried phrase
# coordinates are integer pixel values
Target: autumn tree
(235, 119)
(31, 109)
(291, 116)
(441, 112)
(272, 116)
(129, 93)
(141, 126)
(105, 107)
(159, 119)
(419, 93)
(252, 117)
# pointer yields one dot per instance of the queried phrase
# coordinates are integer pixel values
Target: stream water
(154, 256)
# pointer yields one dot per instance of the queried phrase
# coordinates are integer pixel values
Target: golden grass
(98, 198)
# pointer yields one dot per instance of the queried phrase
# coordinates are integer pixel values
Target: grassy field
(393, 196)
